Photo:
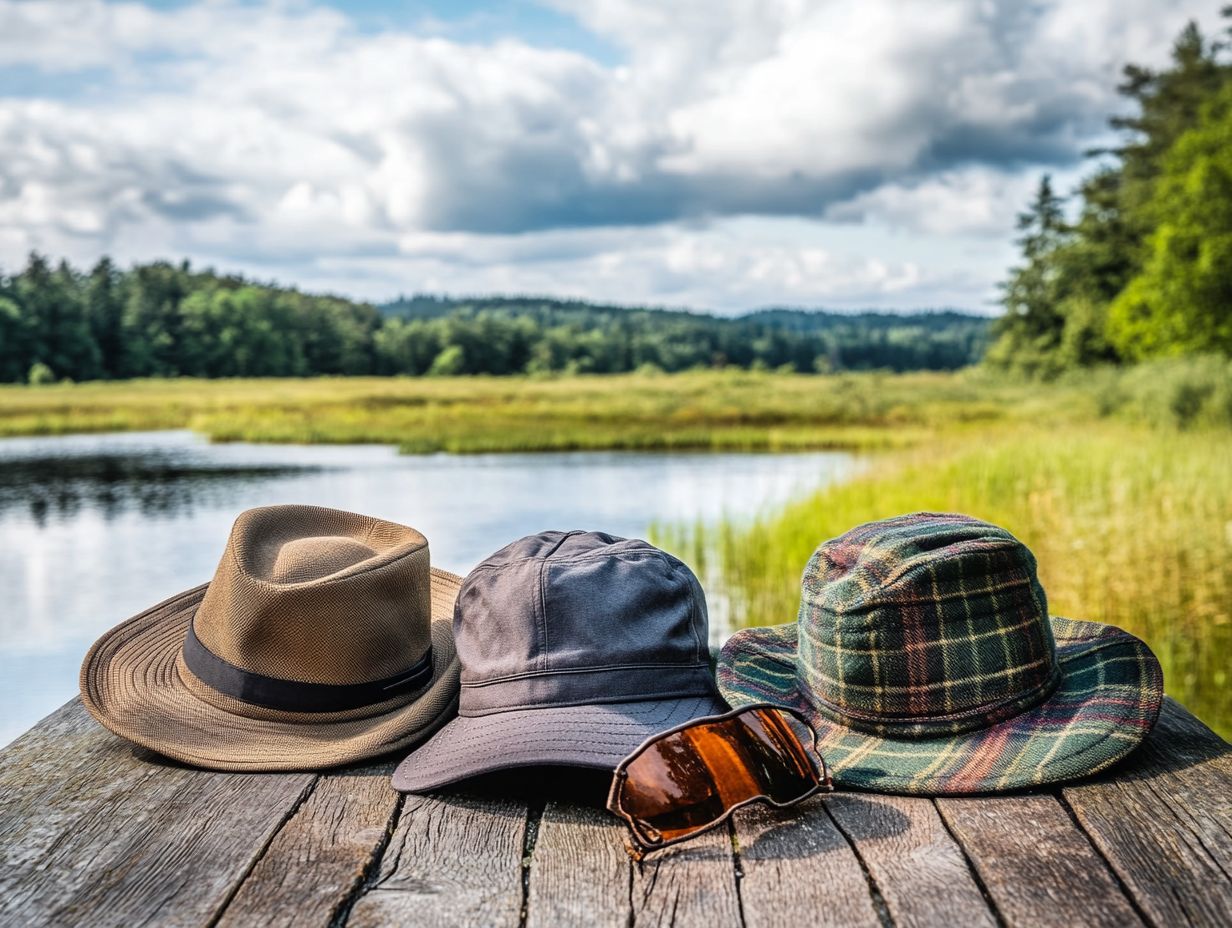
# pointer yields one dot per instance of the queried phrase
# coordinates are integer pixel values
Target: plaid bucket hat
(925, 658)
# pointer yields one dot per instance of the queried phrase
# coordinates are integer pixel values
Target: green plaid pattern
(924, 655)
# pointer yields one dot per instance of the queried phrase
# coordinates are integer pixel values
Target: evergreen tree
(104, 307)
(1028, 336)
(1181, 302)
(1096, 291)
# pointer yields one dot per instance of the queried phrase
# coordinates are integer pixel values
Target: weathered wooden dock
(96, 832)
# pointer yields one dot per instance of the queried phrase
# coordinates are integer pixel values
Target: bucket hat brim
(133, 683)
(1106, 702)
(596, 736)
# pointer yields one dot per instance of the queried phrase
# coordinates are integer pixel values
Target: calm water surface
(94, 529)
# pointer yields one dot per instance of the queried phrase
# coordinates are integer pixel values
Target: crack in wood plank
(798, 867)
(1162, 819)
(1039, 868)
(263, 852)
(342, 914)
(911, 859)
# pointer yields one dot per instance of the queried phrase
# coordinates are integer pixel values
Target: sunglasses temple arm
(827, 782)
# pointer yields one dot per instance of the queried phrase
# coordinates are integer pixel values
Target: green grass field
(1120, 483)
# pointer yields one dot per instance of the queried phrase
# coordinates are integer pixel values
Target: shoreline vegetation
(1117, 479)
(733, 410)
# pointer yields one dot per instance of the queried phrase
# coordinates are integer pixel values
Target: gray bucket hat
(575, 648)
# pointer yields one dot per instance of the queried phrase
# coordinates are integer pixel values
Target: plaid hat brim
(1107, 701)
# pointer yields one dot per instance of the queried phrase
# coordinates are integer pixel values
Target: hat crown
(568, 618)
(316, 595)
(924, 625)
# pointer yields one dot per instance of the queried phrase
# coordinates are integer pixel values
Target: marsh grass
(723, 410)
(1130, 526)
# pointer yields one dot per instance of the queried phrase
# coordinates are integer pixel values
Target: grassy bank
(704, 410)
(1131, 526)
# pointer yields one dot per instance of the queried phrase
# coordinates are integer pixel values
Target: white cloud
(969, 201)
(279, 136)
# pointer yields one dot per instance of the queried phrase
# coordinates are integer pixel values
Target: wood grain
(798, 869)
(918, 869)
(127, 838)
(37, 806)
(1039, 868)
(580, 872)
(454, 859)
(1163, 820)
(688, 884)
(94, 831)
(321, 855)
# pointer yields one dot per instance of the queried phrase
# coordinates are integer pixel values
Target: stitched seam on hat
(543, 611)
(695, 588)
(530, 674)
(894, 725)
(565, 536)
(592, 701)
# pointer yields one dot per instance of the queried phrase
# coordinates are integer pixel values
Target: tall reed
(1130, 526)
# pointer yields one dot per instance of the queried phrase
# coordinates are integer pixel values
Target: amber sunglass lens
(689, 779)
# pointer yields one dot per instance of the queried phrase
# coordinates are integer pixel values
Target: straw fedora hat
(324, 638)
(927, 661)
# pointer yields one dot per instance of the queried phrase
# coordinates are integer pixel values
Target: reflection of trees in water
(50, 488)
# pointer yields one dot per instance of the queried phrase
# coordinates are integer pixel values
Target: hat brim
(1107, 701)
(592, 736)
(132, 683)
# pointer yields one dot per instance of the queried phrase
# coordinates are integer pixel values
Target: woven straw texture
(925, 658)
(303, 594)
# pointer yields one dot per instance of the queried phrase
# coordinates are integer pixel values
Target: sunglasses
(689, 779)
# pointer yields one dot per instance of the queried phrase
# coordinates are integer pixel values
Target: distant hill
(630, 336)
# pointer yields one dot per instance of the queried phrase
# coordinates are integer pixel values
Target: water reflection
(153, 483)
(94, 529)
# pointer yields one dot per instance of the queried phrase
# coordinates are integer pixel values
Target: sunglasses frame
(621, 774)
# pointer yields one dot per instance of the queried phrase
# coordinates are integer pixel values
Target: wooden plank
(1037, 865)
(688, 884)
(796, 868)
(454, 859)
(319, 858)
(1163, 820)
(36, 809)
(180, 858)
(123, 837)
(918, 869)
(580, 872)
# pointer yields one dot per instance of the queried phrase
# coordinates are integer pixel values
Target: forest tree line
(1139, 264)
(168, 320)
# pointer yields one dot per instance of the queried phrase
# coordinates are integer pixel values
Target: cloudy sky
(716, 154)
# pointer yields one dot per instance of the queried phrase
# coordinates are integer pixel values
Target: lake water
(96, 528)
